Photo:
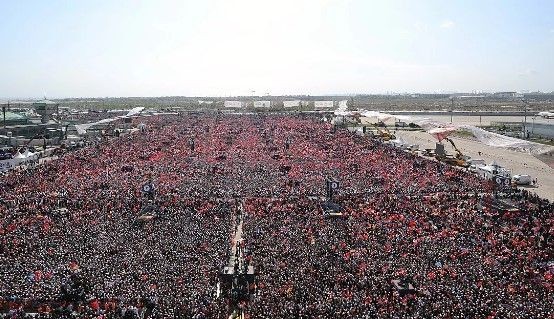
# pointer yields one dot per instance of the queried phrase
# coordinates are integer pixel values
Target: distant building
(45, 109)
(343, 104)
(262, 104)
(507, 95)
(12, 118)
(324, 104)
(233, 104)
(295, 103)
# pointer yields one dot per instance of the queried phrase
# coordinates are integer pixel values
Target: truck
(492, 171)
(475, 163)
(522, 179)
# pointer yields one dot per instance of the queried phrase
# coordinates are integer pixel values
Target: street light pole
(525, 104)
(451, 108)
(525, 119)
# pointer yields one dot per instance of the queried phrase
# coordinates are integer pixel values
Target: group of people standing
(73, 244)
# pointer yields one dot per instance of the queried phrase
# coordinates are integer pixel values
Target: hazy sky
(223, 47)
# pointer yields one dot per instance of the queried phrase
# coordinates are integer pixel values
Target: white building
(507, 95)
(295, 103)
(343, 105)
(233, 104)
(262, 103)
(323, 104)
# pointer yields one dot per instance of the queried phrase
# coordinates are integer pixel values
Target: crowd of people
(461, 262)
(82, 237)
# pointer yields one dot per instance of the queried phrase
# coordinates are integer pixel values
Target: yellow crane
(458, 160)
(383, 131)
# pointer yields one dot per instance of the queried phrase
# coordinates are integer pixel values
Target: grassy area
(543, 141)
(463, 134)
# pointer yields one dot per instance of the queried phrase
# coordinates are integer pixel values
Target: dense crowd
(461, 262)
(79, 237)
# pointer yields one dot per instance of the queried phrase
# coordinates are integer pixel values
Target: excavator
(34, 137)
(458, 160)
(383, 132)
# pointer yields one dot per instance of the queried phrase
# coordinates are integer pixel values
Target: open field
(488, 120)
(400, 102)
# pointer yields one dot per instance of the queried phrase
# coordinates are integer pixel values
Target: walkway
(236, 251)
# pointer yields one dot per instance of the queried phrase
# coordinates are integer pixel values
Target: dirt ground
(517, 162)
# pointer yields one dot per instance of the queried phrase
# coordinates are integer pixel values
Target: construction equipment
(35, 137)
(428, 152)
(109, 130)
(459, 154)
(64, 132)
(522, 179)
(383, 132)
(458, 160)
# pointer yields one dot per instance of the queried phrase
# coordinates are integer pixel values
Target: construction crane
(64, 133)
(34, 137)
(526, 106)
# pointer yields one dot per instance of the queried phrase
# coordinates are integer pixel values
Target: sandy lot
(518, 163)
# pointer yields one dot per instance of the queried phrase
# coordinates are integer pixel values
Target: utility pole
(58, 118)
(4, 113)
(525, 104)
(451, 107)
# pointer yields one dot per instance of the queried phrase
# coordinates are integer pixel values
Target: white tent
(19, 158)
(18, 155)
